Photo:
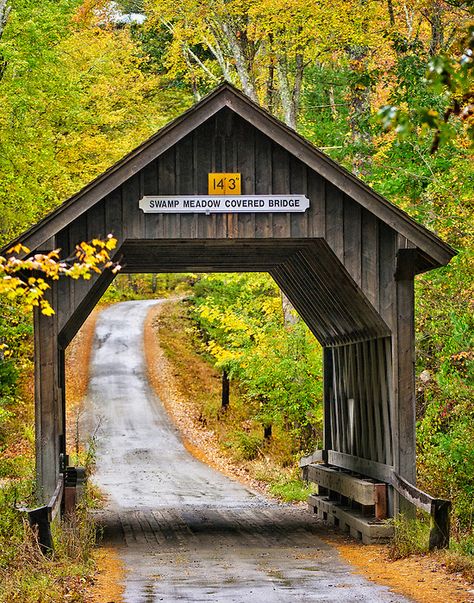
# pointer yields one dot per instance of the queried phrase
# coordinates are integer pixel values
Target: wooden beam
(373, 469)
(354, 488)
(405, 462)
(48, 399)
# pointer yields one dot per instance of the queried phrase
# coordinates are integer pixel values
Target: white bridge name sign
(211, 204)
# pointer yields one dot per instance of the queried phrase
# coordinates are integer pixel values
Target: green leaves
(279, 367)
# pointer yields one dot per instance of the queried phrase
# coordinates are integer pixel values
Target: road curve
(184, 531)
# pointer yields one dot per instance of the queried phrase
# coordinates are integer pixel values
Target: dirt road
(184, 531)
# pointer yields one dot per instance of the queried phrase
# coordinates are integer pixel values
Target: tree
(74, 99)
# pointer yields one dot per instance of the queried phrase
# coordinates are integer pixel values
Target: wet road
(184, 531)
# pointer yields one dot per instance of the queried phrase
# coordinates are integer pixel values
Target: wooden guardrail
(438, 508)
(41, 517)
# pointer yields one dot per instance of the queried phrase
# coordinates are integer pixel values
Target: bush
(245, 446)
(411, 537)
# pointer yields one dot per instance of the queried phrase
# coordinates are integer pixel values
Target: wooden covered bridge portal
(347, 263)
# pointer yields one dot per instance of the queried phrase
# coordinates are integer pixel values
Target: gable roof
(435, 251)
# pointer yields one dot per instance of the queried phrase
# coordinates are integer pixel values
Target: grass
(291, 490)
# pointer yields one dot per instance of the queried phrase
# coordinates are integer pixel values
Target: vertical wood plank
(298, 186)
(352, 239)
(230, 162)
(218, 222)
(202, 167)
(166, 186)
(385, 369)
(280, 186)
(113, 215)
(133, 217)
(334, 220)
(370, 258)
(48, 417)
(96, 221)
(263, 182)
(185, 182)
(367, 385)
(335, 416)
(245, 143)
(358, 434)
(316, 214)
(328, 397)
(150, 187)
(387, 265)
(365, 449)
(376, 398)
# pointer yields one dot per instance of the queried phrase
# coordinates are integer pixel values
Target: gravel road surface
(184, 531)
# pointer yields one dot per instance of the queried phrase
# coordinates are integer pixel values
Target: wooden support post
(439, 533)
(48, 400)
(404, 373)
(40, 519)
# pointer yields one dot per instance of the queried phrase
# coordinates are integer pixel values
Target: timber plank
(184, 184)
(246, 162)
(263, 182)
(370, 258)
(298, 185)
(334, 220)
(166, 186)
(358, 489)
(280, 186)
(150, 187)
(352, 239)
(113, 214)
(317, 205)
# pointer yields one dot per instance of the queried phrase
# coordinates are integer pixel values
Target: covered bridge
(347, 263)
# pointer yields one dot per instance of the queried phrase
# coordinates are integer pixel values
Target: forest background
(384, 87)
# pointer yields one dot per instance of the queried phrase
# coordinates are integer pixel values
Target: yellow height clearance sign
(224, 184)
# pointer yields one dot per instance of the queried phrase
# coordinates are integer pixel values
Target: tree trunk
(4, 12)
(437, 30)
(296, 95)
(241, 66)
(332, 103)
(360, 109)
(267, 432)
(225, 389)
(289, 314)
(391, 14)
(285, 93)
(271, 82)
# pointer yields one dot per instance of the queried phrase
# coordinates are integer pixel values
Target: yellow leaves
(18, 249)
(90, 258)
(223, 355)
(46, 308)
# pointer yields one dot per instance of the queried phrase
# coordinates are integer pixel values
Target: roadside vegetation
(390, 98)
